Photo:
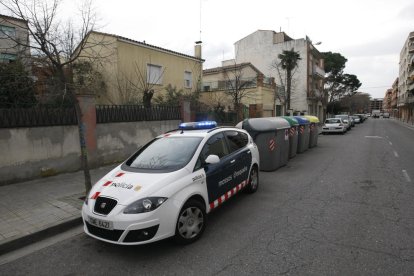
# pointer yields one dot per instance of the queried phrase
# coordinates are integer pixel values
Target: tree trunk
(147, 97)
(288, 87)
(81, 130)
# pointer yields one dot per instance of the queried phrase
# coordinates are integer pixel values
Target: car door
(219, 177)
(240, 155)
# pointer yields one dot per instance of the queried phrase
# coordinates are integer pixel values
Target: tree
(236, 86)
(143, 82)
(288, 62)
(59, 45)
(337, 83)
(16, 86)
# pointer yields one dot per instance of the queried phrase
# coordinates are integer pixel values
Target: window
(236, 140)
(215, 145)
(188, 79)
(154, 74)
(7, 31)
(166, 154)
(6, 57)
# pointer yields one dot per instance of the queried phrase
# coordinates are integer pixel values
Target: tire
(191, 222)
(253, 181)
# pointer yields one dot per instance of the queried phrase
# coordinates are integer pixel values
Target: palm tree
(289, 61)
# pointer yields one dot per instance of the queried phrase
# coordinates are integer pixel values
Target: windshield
(333, 121)
(165, 154)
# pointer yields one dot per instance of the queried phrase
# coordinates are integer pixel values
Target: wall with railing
(45, 141)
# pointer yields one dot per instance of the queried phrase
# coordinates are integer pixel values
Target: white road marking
(396, 154)
(407, 177)
(374, 137)
(390, 143)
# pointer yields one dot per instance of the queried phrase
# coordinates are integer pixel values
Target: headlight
(143, 205)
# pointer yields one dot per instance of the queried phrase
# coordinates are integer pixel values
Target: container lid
(281, 123)
(312, 119)
(291, 120)
(258, 124)
(302, 120)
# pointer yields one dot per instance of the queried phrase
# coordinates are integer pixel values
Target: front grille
(112, 235)
(104, 205)
(142, 234)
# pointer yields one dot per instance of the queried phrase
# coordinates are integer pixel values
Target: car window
(236, 140)
(215, 145)
(166, 153)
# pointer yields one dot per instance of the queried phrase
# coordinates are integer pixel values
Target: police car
(168, 186)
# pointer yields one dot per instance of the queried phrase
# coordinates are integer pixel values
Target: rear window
(333, 121)
(165, 154)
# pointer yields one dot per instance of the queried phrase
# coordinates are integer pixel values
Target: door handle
(232, 161)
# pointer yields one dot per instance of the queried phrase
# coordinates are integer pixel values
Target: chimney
(197, 49)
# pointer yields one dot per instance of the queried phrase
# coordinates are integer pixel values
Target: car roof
(197, 132)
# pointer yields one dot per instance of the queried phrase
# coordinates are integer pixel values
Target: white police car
(168, 186)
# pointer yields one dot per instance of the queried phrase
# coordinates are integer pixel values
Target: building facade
(386, 103)
(262, 49)
(14, 40)
(129, 66)
(256, 92)
(376, 104)
(406, 81)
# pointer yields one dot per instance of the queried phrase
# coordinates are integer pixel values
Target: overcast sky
(369, 33)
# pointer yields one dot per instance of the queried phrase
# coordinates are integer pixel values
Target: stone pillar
(185, 111)
(87, 105)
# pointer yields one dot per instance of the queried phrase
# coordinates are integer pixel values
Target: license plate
(101, 223)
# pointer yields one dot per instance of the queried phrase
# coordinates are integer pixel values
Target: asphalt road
(345, 207)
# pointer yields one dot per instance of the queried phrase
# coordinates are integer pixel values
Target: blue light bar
(198, 125)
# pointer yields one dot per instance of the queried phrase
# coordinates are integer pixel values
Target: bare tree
(143, 82)
(59, 44)
(236, 86)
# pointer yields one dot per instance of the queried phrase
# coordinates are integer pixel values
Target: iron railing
(131, 113)
(37, 117)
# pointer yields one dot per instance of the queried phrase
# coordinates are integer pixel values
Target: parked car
(167, 188)
(346, 120)
(356, 118)
(334, 125)
(386, 115)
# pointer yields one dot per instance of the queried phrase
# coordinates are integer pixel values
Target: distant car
(362, 117)
(346, 120)
(385, 115)
(356, 118)
(334, 125)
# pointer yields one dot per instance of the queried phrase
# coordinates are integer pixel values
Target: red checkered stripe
(107, 183)
(301, 129)
(227, 195)
(292, 131)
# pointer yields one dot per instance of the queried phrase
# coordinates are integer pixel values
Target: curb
(26, 240)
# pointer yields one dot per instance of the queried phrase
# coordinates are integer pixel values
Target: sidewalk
(36, 209)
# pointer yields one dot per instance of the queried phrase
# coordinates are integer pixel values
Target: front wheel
(191, 222)
(253, 181)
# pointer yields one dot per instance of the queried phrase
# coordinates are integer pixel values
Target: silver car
(346, 120)
(334, 125)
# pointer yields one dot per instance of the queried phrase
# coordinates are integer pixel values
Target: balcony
(318, 71)
(228, 85)
(410, 98)
(411, 48)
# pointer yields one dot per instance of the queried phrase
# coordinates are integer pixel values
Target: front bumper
(132, 229)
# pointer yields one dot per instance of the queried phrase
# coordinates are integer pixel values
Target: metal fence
(57, 116)
(37, 116)
(133, 113)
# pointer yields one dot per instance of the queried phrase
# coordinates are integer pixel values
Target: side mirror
(212, 159)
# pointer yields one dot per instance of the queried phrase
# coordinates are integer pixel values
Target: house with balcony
(129, 66)
(386, 103)
(406, 81)
(14, 40)
(257, 93)
(262, 49)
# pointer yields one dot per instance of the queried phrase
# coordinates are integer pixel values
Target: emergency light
(198, 125)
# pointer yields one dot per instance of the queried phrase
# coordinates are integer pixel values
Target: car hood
(126, 186)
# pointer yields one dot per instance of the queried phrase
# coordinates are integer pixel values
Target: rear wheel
(191, 222)
(253, 181)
